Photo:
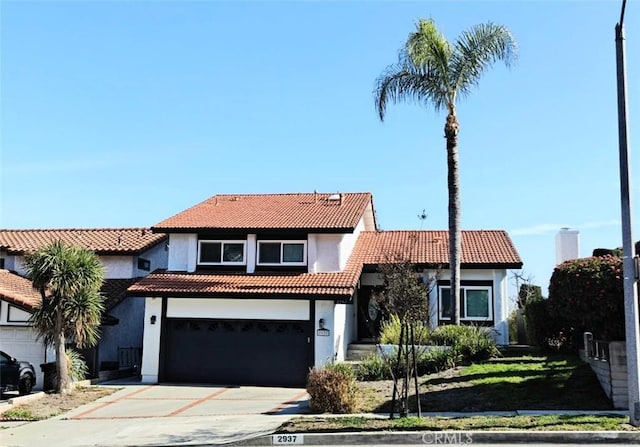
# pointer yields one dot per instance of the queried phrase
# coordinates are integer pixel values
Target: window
(221, 252)
(144, 264)
(282, 253)
(475, 303)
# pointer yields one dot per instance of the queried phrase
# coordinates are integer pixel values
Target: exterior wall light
(153, 319)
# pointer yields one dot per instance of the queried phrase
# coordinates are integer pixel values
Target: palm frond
(478, 49)
(82, 314)
(407, 82)
(69, 278)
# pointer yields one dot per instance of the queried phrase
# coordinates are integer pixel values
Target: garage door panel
(244, 352)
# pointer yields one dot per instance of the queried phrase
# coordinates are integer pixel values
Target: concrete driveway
(165, 415)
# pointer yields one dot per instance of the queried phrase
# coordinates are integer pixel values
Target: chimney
(567, 245)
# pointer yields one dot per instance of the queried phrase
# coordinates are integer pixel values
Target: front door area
(369, 315)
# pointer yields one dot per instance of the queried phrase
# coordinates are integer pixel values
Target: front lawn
(557, 382)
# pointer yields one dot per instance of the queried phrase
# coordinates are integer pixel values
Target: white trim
(238, 309)
(464, 288)
(282, 242)
(440, 306)
(222, 242)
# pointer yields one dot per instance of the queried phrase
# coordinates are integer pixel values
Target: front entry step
(358, 351)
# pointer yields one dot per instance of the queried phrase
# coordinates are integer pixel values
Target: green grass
(492, 423)
(522, 382)
(527, 382)
(18, 414)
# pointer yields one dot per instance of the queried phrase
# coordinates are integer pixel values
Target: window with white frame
(282, 253)
(221, 252)
(475, 303)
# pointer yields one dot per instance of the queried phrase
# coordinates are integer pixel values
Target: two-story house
(126, 254)
(259, 288)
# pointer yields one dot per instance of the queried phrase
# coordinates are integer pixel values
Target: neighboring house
(126, 254)
(259, 288)
(17, 300)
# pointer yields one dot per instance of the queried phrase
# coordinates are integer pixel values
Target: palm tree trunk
(455, 235)
(63, 384)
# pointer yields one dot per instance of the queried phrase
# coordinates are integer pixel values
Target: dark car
(16, 375)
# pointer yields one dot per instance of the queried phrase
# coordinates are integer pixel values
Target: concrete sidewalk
(145, 415)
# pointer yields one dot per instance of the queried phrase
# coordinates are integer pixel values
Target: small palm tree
(433, 72)
(69, 279)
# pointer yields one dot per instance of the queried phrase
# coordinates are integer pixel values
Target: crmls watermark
(447, 438)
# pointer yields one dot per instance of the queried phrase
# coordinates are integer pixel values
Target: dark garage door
(238, 352)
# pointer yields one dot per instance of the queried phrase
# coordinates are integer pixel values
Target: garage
(237, 352)
(21, 342)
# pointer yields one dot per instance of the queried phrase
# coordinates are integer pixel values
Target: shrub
(587, 295)
(373, 367)
(332, 389)
(471, 342)
(543, 329)
(78, 368)
(378, 367)
(437, 359)
(390, 332)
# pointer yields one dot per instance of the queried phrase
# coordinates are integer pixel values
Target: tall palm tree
(69, 279)
(433, 72)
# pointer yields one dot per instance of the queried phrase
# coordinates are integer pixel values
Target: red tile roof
(18, 290)
(300, 285)
(313, 211)
(101, 241)
(479, 248)
(114, 291)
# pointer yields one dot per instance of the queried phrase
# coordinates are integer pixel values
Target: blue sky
(117, 114)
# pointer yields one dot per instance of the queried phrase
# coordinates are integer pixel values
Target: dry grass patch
(51, 405)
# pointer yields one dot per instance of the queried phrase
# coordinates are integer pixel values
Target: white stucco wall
(183, 252)
(501, 309)
(117, 267)
(251, 253)
(327, 255)
(324, 348)
(151, 350)
(158, 256)
(343, 321)
(238, 309)
(348, 242)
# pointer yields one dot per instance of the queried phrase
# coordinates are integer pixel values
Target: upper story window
(475, 303)
(221, 252)
(282, 253)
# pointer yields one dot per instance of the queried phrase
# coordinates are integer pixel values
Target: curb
(27, 398)
(20, 400)
(447, 437)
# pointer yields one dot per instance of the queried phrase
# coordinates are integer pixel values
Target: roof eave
(342, 296)
(251, 230)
